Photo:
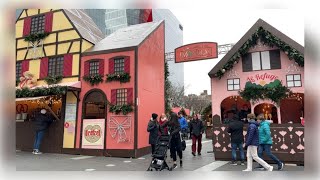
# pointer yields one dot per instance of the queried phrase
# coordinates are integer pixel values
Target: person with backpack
(184, 126)
(153, 129)
(175, 143)
(196, 131)
(252, 143)
(265, 141)
(235, 129)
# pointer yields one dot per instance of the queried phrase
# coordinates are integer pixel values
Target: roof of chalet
(130, 36)
(248, 34)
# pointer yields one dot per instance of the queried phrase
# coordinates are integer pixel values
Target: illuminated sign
(196, 51)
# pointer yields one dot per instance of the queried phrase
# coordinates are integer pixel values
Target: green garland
(206, 110)
(53, 79)
(17, 82)
(26, 92)
(93, 79)
(167, 88)
(117, 109)
(266, 38)
(122, 77)
(274, 91)
(36, 37)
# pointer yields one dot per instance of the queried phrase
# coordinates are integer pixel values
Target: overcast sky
(227, 26)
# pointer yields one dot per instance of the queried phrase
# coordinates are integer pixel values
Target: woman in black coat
(175, 143)
(153, 129)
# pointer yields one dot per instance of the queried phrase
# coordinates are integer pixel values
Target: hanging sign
(262, 79)
(196, 51)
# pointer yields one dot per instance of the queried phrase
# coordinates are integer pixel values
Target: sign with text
(93, 133)
(196, 51)
(262, 79)
(70, 125)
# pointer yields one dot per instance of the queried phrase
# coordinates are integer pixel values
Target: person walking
(153, 129)
(184, 125)
(175, 143)
(196, 131)
(265, 141)
(42, 121)
(252, 142)
(235, 128)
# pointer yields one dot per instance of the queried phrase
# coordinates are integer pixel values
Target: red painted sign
(196, 51)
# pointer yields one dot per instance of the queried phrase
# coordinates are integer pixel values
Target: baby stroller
(184, 134)
(158, 162)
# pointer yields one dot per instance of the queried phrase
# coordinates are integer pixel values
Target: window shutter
(129, 95)
(44, 67)
(275, 60)
(101, 67)
(113, 96)
(246, 62)
(86, 68)
(67, 65)
(24, 66)
(27, 26)
(127, 65)
(48, 22)
(111, 66)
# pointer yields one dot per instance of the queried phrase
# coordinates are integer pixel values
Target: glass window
(55, 66)
(94, 106)
(118, 65)
(37, 24)
(94, 68)
(294, 80)
(265, 60)
(256, 63)
(121, 96)
(233, 84)
(18, 70)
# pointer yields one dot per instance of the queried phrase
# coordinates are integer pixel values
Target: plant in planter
(122, 77)
(36, 37)
(93, 79)
(124, 108)
(53, 79)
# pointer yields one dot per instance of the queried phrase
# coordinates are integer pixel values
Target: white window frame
(231, 83)
(294, 80)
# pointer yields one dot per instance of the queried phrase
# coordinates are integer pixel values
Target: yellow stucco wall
(72, 79)
(86, 45)
(21, 43)
(63, 48)
(34, 68)
(75, 47)
(23, 14)
(50, 50)
(68, 35)
(21, 54)
(75, 64)
(44, 10)
(32, 12)
(50, 39)
(60, 21)
(19, 28)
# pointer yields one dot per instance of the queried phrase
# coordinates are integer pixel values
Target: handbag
(183, 145)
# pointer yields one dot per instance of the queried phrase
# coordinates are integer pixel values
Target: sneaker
(37, 152)
(199, 154)
(280, 167)
(174, 166)
(233, 163)
(180, 163)
(270, 168)
(194, 154)
(242, 163)
(247, 170)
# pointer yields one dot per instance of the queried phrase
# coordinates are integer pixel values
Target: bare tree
(197, 103)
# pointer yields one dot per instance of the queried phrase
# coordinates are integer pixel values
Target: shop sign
(262, 79)
(69, 125)
(196, 51)
(93, 133)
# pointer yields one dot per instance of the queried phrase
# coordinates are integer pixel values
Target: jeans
(252, 154)
(38, 139)
(234, 147)
(194, 140)
(267, 148)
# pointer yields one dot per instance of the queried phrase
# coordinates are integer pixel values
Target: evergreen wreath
(53, 79)
(122, 77)
(124, 108)
(93, 79)
(36, 37)
(26, 92)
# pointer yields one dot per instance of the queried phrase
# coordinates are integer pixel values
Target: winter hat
(43, 111)
(154, 116)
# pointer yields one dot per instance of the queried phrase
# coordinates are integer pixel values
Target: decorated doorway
(233, 103)
(269, 111)
(292, 108)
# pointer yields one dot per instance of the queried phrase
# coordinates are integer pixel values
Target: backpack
(183, 145)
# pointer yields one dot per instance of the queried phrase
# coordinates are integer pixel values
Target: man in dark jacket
(41, 124)
(236, 130)
(153, 129)
(196, 131)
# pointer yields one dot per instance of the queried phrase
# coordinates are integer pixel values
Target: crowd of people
(178, 128)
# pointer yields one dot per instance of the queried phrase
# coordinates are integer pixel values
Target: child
(252, 142)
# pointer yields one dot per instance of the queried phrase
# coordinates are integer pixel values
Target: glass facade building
(98, 16)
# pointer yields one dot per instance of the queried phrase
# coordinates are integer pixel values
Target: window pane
(297, 83)
(230, 87)
(297, 77)
(290, 78)
(236, 87)
(256, 65)
(230, 81)
(265, 57)
(236, 81)
(290, 83)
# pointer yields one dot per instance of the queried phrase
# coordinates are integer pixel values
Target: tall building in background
(98, 16)
(120, 18)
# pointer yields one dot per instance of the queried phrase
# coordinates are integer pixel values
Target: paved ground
(25, 161)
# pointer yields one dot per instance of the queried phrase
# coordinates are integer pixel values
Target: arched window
(95, 105)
